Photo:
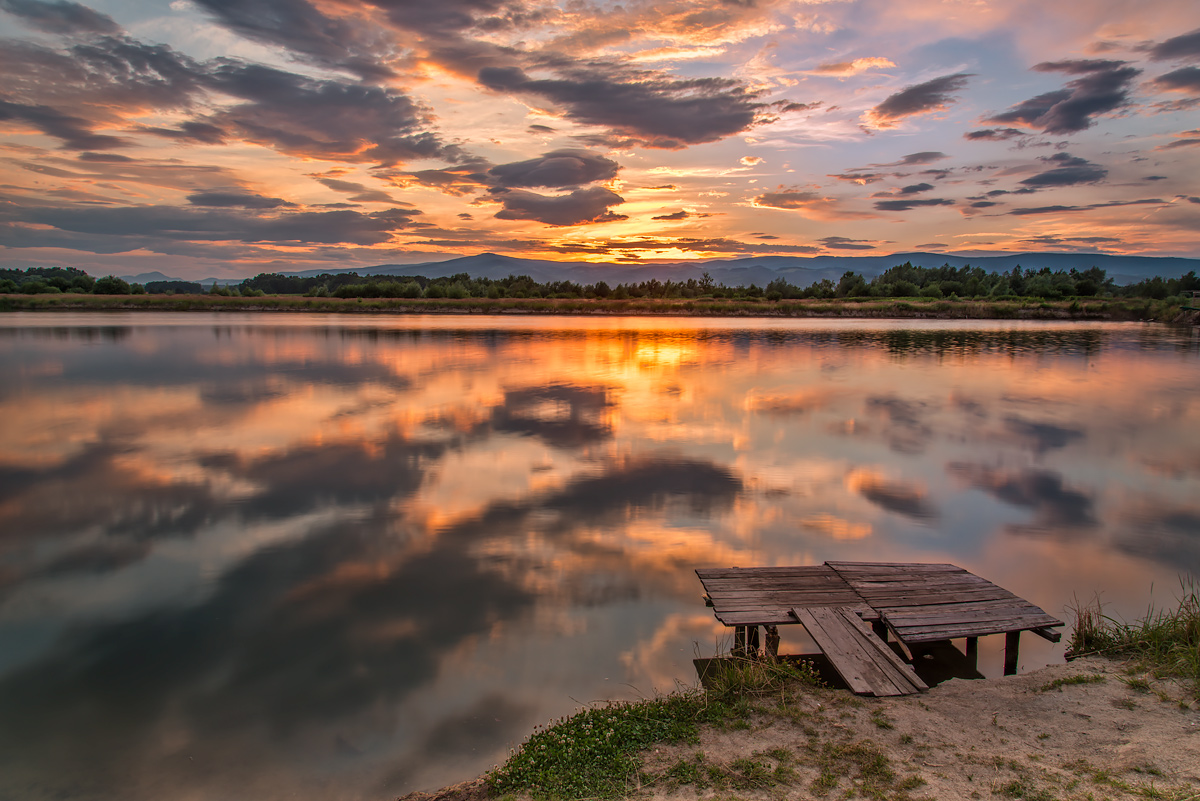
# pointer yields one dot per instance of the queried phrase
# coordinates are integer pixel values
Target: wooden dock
(920, 604)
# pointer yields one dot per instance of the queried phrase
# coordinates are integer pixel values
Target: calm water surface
(287, 556)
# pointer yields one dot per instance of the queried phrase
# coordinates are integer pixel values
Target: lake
(346, 557)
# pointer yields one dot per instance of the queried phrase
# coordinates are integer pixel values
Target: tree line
(902, 281)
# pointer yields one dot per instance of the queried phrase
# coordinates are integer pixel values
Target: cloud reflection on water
(324, 555)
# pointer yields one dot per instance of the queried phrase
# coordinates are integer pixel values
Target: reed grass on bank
(1165, 641)
(1118, 309)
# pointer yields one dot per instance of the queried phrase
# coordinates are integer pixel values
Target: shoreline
(1090, 310)
(1069, 731)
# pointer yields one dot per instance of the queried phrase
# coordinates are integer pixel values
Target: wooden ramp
(865, 662)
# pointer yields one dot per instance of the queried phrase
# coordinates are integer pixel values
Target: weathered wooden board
(854, 652)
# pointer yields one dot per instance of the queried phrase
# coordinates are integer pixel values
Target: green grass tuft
(595, 752)
(1166, 641)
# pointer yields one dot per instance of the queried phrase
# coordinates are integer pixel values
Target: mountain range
(799, 271)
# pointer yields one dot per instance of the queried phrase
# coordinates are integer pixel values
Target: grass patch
(595, 752)
(1058, 684)
(1166, 641)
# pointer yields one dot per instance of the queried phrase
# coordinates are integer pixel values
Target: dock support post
(739, 640)
(973, 651)
(772, 649)
(752, 642)
(1012, 643)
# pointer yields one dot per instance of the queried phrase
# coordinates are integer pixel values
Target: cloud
(61, 16)
(1104, 87)
(1186, 139)
(899, 497)
(750, 161)
(73, 132)
(921, 98)
(994, 134)
(846, 69)
(1024, 212)
(810, 204)
(678, 215)
(845, 243)
(140, 226)
(324, 119)
(1068, 171)
(1055, 506)
(302, 28)
(647, 108)
(582, 206)
(359, 192)
(1184, 79)
(924, 157)
(905, 205)
(1184, 47)
(558, 169)
(241, 200)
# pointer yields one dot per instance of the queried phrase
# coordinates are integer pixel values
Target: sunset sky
(231, 137)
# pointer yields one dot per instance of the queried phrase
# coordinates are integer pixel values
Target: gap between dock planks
(864, 661)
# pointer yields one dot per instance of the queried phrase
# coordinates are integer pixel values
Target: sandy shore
(1120, 735)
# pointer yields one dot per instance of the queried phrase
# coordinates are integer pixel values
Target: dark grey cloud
(897, 496)
(60, 16)
(1184, 47)
(306, 31)
(677, 215)
(192, 131)
(240, 200)
(579, 417)
(1184, 79)
(907, 429)
(845, 243)
(913, 189)
(651, 109)
(325, 119)
(911, 203)
(359, 193)
(1185, 139)
(1103, 87)
(1067, 170)
(589, 205)
(1026, 211)
(73, 132)
(924, 157)
(994, 134)
(1042, 435)
(919, 98)
(143, 224)
(558, 169)
(1056, 507)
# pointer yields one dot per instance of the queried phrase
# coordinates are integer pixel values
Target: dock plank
(920, 603)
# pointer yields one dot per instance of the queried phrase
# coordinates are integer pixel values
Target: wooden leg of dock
(752, 642)
(973, 651)
(739, 640)
(1012, 644)
(772, 641)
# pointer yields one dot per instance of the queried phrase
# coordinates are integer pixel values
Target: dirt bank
(1091, 729)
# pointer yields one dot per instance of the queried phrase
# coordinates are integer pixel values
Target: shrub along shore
(1168, 310)
(902, 291)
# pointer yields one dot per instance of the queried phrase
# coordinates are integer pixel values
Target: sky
(225, 138)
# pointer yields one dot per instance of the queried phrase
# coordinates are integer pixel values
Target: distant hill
(797, 270)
